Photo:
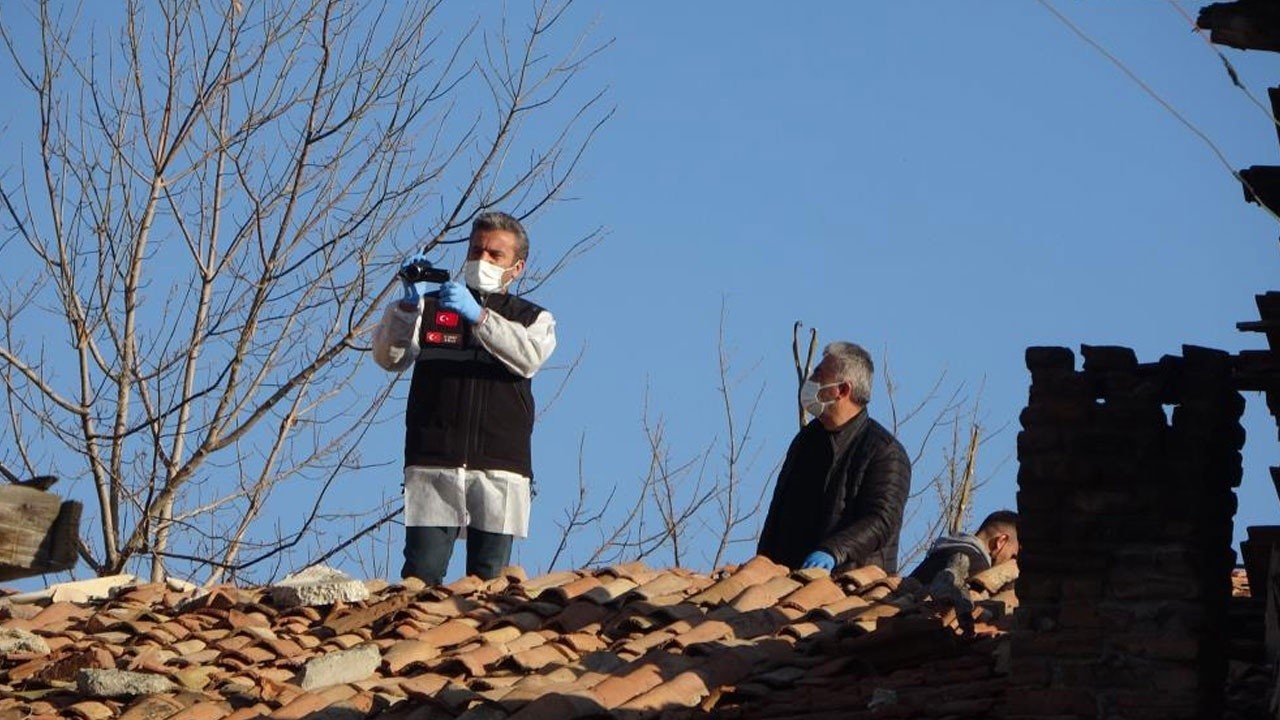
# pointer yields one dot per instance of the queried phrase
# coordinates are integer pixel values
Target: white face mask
(483, 276)
(809, 397)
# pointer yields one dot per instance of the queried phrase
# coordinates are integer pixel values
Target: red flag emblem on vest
(446, 318)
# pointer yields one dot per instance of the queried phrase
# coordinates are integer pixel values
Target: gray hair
(852, 364)
(495, 220)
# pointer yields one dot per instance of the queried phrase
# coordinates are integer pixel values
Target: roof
(754, 640)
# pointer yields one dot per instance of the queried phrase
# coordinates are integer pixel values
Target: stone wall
(1126, 534)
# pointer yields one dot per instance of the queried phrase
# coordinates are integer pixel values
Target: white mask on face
(809, 397)
(483, 276)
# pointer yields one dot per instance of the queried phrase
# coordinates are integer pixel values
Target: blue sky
(944, 183)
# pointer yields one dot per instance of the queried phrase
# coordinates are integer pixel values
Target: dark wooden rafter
(1243, 24)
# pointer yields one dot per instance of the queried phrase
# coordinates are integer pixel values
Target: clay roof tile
(996, 577)
(816, 593)
(405, 654)
(570, 590)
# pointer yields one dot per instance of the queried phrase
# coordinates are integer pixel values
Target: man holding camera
(469, 420)
(843, 486)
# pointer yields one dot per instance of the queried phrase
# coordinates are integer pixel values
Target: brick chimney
(1126, 525)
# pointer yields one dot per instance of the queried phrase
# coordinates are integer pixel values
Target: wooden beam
(38, 532)
(1261, 184)
(1243, 24)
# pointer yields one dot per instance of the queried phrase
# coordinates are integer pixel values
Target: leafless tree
(203, 206)
(685, 509)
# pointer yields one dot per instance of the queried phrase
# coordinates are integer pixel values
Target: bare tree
(203, 221)
(685, 508)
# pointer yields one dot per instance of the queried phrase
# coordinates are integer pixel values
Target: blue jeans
(427, 551)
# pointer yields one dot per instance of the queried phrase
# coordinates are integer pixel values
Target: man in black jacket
(843, 486)
(473, 349)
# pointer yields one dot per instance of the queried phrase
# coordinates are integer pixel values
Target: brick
(1060, 701)
(1076, 644)
(1046, 357)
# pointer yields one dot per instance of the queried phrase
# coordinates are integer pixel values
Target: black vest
(466, 409)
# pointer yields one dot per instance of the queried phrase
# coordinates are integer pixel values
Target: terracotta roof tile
(54, 617)
(312, 702)
(862, 576)
(92, 710)
(570, 590)
(534, 587)
(525, 641)
(703, 632)
(996, 577)
(584, 642)
(755, 571)
(406, 654)
(541, 656)
(569, 644)
(610, 590)
(813, 594)
(621, 687)
(665, 584)
(578, 615)
(765, 594)
(755, 623)
(249, 713)
(424, 685)
(156, 707)
(477, 661)
(685, 689)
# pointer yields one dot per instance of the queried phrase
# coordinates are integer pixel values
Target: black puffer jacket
(864, 494)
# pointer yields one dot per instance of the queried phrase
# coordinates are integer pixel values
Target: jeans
(427, 551)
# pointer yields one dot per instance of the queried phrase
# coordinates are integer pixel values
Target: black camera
(423, 271)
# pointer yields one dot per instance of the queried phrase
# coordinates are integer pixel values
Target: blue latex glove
(413, 291)
(819, 559)
(455, 296)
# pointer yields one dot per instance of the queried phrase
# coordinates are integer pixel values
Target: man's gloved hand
(819, 559)
(413, 291)
(455, 296)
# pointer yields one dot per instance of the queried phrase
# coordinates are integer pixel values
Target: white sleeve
(522, 349)
(395, 339)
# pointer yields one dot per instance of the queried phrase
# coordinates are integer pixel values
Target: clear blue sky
(944, 183)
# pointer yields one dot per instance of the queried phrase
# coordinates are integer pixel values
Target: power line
(1157, 97)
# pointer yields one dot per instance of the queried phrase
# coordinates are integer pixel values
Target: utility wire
(1226, 64)
(1163, 103)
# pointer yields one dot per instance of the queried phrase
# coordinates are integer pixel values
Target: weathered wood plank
(38, 532)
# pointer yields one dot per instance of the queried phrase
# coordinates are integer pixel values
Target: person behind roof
(965, 555)
(843, 485)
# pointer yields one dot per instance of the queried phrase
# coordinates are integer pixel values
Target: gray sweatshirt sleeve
(395, 339)
(522, 349)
